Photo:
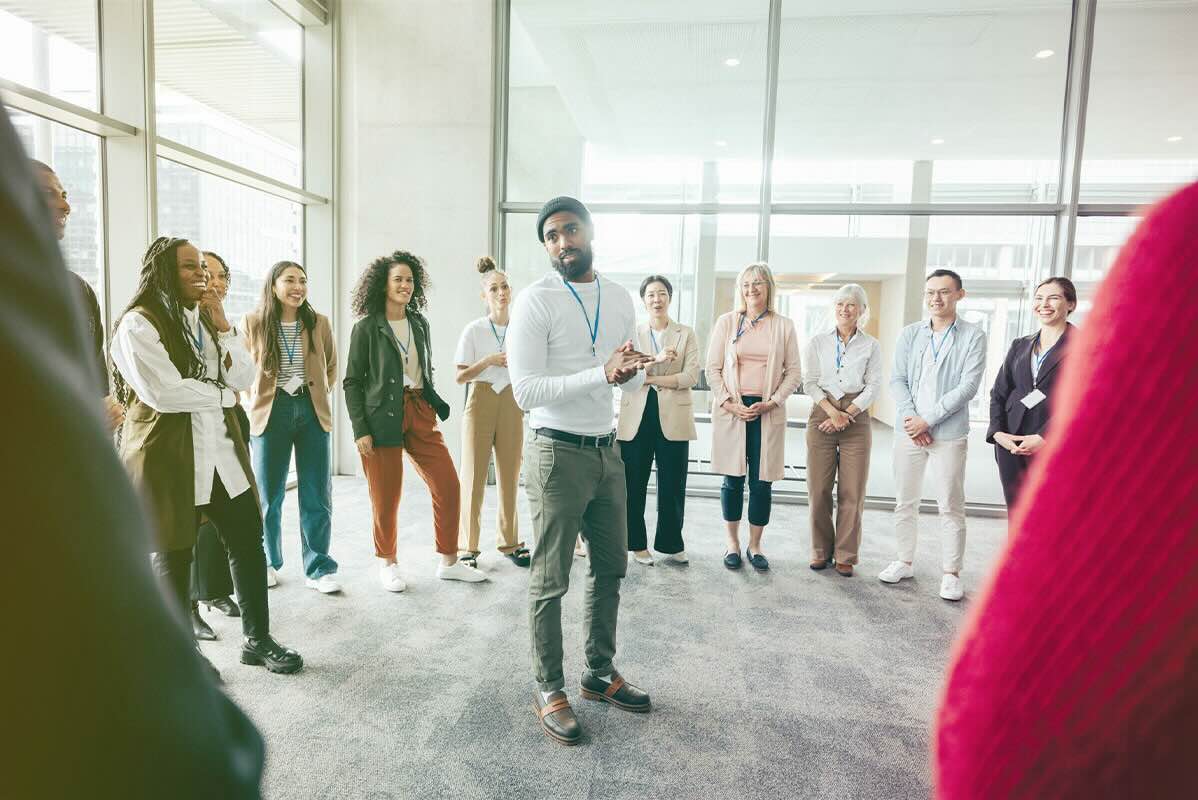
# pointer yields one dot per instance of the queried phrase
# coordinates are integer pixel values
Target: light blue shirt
(957, 374)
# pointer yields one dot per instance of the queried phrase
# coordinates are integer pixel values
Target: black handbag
(243, 419)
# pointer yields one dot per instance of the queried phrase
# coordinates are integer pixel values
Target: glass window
(1141, 121)
(229, 82)
(75, 158)
(1097, 244)
(906, 105)
(250, 229)
(649, 102)
(51, 46)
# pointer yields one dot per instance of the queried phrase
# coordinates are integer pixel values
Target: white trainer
(325, 584)
(460, 572)
(272, 577)
(646, 559)
(895, 572)
(679, 557)
(950, 587)
(389, 577)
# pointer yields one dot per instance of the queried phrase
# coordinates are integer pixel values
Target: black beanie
(557, 204)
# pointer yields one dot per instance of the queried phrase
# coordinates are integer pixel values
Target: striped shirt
(291, 354)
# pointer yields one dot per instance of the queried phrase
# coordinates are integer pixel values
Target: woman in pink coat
(752, 367)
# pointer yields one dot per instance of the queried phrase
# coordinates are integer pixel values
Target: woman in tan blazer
(658, 422)
(752, 367)
(293, 348)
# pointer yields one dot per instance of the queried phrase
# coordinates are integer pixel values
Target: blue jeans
(293, 423)
(761, 495)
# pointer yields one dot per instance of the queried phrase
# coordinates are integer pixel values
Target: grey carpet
(791, 684)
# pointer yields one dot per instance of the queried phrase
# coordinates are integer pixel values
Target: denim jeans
(761, 494)
(293, 423)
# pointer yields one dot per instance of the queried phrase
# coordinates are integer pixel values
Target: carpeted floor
(790, 684)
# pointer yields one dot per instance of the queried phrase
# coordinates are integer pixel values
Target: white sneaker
(460, 572)
(895, 572)
(325, 584)
(389, 577)
(679, 557)
(950, 587)
(646, 559)
(272, 577)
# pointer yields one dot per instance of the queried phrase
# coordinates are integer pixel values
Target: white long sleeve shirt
(859, 368)
(141, 357)
(555, 376)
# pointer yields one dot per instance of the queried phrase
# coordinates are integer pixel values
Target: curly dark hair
(370, 293)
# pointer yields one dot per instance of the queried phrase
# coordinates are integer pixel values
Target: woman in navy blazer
(1021, 398)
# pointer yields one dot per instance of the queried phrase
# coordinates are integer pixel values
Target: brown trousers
(842, 459)
(384, 478)
(492, 422)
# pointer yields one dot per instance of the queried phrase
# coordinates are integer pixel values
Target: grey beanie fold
(563, 203)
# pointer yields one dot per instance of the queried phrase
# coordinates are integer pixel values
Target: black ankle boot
(225, 605)
(269, 653)
(201, 629)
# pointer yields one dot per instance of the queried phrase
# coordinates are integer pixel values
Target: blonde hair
(761, 270)
(855, 293)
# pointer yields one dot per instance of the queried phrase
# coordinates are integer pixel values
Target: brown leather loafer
(557, 718)
(619, 693)
(844, 570)
(820, 563)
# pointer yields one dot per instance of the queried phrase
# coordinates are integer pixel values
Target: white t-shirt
(926, 395)
(477, 341)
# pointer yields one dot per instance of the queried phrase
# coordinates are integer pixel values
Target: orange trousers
(384, 477)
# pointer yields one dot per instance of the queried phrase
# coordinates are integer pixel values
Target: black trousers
(672, 457)
(239, 528)
(1012, 469)
(761, 493)
(210, 576)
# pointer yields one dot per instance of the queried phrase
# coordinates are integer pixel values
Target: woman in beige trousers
(843, 375)
(493, 422)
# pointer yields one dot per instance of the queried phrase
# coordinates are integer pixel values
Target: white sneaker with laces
(389, 578)
(895, 572)
(679, 557)
(950, 587)
(325, 584)
(272, 577)
(460, 572)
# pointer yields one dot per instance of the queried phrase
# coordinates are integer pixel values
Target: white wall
(415, 162)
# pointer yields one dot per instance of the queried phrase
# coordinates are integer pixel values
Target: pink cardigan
(1076, 675)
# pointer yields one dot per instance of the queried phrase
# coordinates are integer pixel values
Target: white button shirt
(139, 354)
(860, 368)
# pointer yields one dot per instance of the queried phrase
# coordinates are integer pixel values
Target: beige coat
(783, 374)
(674, 407)
(320, 365)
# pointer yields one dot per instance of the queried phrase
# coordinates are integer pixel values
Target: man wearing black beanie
(569, 342)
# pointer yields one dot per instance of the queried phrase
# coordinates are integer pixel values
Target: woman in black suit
(1021, 398)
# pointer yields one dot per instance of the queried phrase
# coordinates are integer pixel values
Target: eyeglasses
(753, 284)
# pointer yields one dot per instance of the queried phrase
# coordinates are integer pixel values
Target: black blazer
(374, 378)
(1014, 382)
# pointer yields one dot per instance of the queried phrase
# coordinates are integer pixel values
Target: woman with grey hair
(843, 375)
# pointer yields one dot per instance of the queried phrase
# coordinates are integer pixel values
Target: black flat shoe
(620, 693)
(732, 560)
(519, 557)
(199, 628)
(272, 655)
(759, 562)
(224, 605)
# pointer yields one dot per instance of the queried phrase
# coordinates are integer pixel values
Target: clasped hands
(837, 421)
(748, 413)
(624, 363)
(917, 429)
(1020, 445)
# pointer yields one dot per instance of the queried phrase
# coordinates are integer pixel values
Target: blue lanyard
(653, 341)
(1040, 358)
(592, 330)
(198, 341)
(289, 347)
(841, 351)
(740, 328)
(401, 344)
(494, 333)
(935, 349)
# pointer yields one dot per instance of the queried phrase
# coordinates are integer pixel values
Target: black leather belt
(606, 440)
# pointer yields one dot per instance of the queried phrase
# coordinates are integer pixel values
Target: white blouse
(834, 369)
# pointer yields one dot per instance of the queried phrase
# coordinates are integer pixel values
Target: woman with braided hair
(177, 367)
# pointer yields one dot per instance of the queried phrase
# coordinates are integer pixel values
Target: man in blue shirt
(938, 366)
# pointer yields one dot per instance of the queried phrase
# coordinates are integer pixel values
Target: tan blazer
(674, 406)
(783, 374)
(320, 364)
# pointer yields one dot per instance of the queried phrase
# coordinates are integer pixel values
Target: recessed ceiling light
(1046, 53)
(1173, 139)
(731, 62)
(937, 141)
(721, 143)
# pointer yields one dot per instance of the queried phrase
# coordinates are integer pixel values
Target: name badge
(292, 385)
(1033, 398)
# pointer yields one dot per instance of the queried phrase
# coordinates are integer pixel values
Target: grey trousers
(571, 490)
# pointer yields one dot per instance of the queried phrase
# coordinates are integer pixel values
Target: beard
(580, 266)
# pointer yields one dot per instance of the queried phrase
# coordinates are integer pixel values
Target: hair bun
(485, 264)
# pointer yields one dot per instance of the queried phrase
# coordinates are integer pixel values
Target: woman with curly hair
(393, 407)
(178, 366)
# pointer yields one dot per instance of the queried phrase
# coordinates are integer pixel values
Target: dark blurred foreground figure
(1077, 673)
(104, 693)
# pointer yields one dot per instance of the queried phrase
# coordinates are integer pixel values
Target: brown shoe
(557, 718)
(820, 563)
(844, 570)
(620, 693)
